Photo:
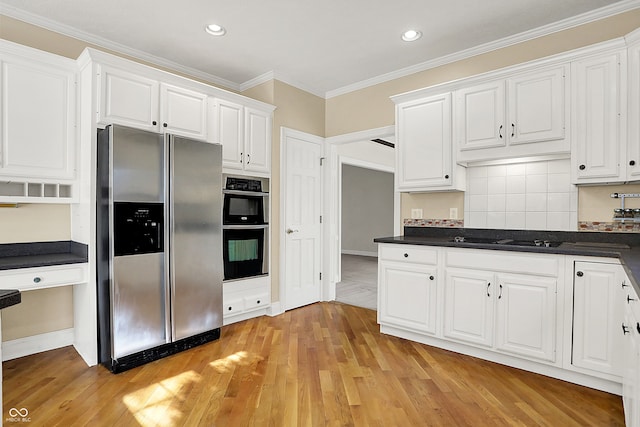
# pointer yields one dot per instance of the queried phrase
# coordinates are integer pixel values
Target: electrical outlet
(453, 213)
(416, 213)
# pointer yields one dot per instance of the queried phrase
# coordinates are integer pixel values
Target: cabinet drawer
(233, 306)
(42, 277)
(256, 301)
(409, 253)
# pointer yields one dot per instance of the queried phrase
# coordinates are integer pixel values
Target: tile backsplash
(526, 196)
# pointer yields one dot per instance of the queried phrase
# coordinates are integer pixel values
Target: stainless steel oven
(245, 251)
(245, 229)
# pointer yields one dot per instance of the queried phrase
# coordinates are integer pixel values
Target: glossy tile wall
(527, 196)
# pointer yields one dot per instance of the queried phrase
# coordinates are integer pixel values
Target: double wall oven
(245, 228)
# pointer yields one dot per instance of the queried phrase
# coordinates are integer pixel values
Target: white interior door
(302, 206)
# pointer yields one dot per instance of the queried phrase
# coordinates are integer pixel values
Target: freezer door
(138, 303)
(138, 165)
(196, 229)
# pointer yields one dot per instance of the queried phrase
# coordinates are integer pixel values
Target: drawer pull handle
(37, 279)
(625, 329)
(579, 274)
(488, 286)
(230, 308)
(638, 327)
(500, 294)
(624, 284)
(406, 255)
(629, 299)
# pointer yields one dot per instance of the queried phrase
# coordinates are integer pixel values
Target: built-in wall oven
(245, 227)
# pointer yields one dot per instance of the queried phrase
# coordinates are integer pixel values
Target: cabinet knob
(37, 279)
(446, 177)
(154, 123)
(632, 162)
(579, 274)
(625, 329)
(624, 284)
(431, 278)
(230, 308)
(629, 299)
(164, 125)
(258, 302)
(406, 255)
(582, 167)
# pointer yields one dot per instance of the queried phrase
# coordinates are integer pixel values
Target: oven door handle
(245, 226)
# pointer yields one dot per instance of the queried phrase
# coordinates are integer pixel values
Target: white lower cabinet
(597, 317)
(630, 332)
(508, 312)
(408, 286)
(246, 298)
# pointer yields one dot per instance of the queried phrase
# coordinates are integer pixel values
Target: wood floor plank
(325, 364)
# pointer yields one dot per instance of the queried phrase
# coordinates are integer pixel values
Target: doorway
(367, 211)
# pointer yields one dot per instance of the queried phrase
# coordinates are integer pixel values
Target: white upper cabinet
(424, 154)
(633, 56)
(128, 99)
(183, 111)
(523, 115)
(39, 113)
(138, 101)
(245, 135)
(599, 128)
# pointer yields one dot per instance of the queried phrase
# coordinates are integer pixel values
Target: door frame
(333, 200)
(285, 133)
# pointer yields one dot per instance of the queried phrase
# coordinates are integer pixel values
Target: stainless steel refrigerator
(159, 233)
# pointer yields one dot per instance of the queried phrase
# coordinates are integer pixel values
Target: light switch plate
(416, 213)
(453, 213)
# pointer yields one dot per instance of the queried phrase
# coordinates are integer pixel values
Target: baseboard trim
(360, 253)
(36, 344)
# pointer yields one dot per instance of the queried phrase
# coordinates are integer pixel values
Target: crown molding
(66, 30)
(565, 24)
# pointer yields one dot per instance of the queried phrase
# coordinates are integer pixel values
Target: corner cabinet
(424, 155)
(245, 135)
(597, 316)
(522, 115)
(633, 58)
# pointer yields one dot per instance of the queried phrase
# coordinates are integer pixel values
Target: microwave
(244, 202)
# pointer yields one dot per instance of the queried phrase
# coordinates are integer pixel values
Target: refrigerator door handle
(170, 228)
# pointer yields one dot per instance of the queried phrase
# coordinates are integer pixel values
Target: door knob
(289, 231)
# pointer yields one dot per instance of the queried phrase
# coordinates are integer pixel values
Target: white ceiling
(326, 47)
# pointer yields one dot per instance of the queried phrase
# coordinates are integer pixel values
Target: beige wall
(295, 109)
(43, 310)
(595, 202)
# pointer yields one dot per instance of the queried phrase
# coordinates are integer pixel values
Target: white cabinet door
(424, 154)
(631, 371)
(128, 99)
(526, 316)
(183, 111)
(597, 316)
(633, 160)
(257, 136)
(536, 109)
(407, 296)
(229, 129)
(469, 306)
(480, 116)
(598, 130)
(38, 105)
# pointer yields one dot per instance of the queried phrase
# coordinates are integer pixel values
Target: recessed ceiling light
(411, 35)
(215, 30)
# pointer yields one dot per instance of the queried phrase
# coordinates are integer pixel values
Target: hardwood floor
(359, 284)
(325, 364)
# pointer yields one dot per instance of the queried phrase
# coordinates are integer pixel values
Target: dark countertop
(9, 298)
(41, 254)
(624, 246)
